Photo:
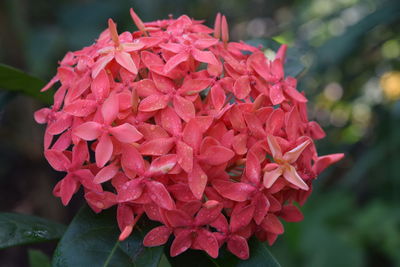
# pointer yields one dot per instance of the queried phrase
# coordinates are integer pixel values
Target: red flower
(191, 130)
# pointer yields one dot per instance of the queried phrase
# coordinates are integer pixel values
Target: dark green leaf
(38, 259)
(19, 229)
(293, 65)
(92, 240)
(259, 257)
(14, 80)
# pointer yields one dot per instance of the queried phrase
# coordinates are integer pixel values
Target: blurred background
(350, 49)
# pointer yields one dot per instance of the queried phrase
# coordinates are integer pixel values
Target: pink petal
(208, 242)
(275, 121)
(276, 94)
(205, 43)
(130, 190)
(197, 181)
(163, 164)
(106, 173)
(239, 247)
(253, 168)
(242, 87)
(157, 236)
(316, 131)
(204, 56)
(194, 86)
(181, 243)
(325, 161)
(217, 96)
(261, 210)
(239, 144)
(233, 191)
(57, 159)
(184, 156)
(41, 115)
(170, 121)
(295, 95)
(272, 224)
(131, 159)
(100, 64)
(159, 194)
(126, 133)
(81, 107)
(241, 216)
(163, 84)
(125, 216)
(125, 60)
(88, 131)
(291, 213)
(254, 125)
(85, 177)
(99, 201)
(145, 88)
(62, 123)
(274, 147)
(293, 177)
(157, 147)
(68, 187)
(110, 108)
(184, 108)
(178, 218)
(271, 176)
(292, 155)
(210, 211)
(104, 150)
(216, 155)
(100, 85)
(174, 61)
(153, 103)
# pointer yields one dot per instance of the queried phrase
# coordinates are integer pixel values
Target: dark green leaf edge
(19, 229)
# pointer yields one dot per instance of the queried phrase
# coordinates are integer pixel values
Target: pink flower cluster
(207, 137)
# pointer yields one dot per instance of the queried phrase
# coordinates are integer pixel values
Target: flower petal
(181, 243)
(233, 191)
(271, 176)
(292, 155)
(174, 61)
(239, 247)
(204, 56)
(216, 155)
(160, 195)
(157, 147)
(106, 173)
(157, 236)
(104, 150)
(88, 131)
(184, 156)
(293, 177)
(242, 87)
(153, 103)
(110, 108)
(125, 60)
(197, 181)
(126, 133)
(184, 108)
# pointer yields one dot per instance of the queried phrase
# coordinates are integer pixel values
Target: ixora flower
(205, 136)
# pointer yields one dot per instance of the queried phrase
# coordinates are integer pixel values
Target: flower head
(206, 136)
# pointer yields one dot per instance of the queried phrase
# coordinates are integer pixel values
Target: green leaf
(19, 229)
(38, 259)
(293, 65)
(14, 80)
(259, 257)
(92, 240)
